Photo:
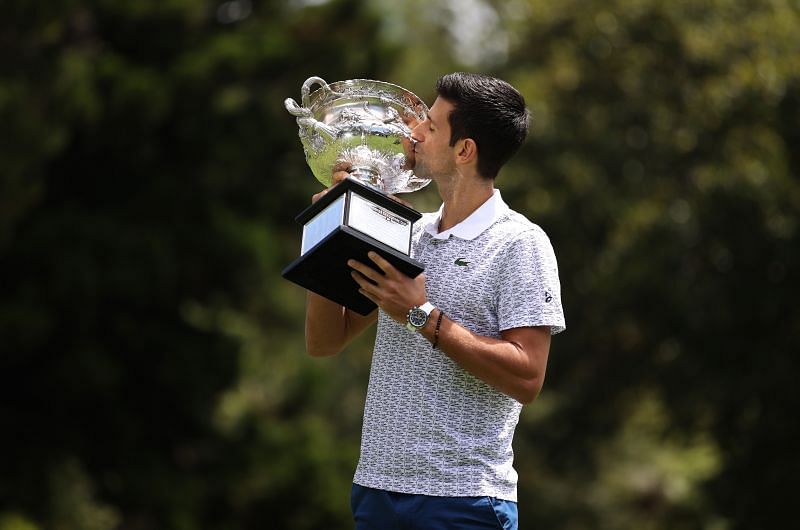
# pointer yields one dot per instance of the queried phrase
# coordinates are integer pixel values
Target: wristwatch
(418, 316)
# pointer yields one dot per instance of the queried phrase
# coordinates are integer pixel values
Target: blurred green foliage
(152, 362)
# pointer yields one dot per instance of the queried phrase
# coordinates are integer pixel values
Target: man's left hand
(390, 289)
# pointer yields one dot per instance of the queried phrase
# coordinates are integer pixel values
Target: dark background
(152, 370)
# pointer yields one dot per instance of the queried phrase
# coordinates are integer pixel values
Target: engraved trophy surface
(363, 123)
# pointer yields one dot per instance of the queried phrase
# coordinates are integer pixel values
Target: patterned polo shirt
(430, 427)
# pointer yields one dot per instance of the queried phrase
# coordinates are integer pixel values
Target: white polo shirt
(430, 427)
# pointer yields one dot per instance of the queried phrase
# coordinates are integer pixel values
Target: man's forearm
(514, 364)
(330, 326)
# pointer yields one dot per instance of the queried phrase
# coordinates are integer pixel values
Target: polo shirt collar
(474, 225)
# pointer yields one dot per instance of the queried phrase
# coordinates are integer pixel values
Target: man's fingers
(364, 270)
(341, 170)
(384, 265)
(342, 165)
(369, 295)
(318, 196)
(339, 176)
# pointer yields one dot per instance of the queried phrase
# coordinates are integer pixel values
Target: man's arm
(330, 327)
(514, 364)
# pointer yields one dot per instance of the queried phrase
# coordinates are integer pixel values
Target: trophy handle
(306, 88)
(306, 121)
(311, 81)
(295, 109)
(304, 115)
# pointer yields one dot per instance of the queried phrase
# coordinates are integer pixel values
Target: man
(460, 348)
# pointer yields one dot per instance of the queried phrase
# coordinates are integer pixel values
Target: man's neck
(461, 197)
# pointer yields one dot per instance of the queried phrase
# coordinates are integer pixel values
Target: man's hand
(340, 172)
(390, 289)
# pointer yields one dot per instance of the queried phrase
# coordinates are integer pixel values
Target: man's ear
(466, 151)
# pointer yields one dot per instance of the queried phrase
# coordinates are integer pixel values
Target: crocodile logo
(461, 262)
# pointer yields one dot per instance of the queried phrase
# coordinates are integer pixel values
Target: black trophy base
(324, 268)
(330, 226)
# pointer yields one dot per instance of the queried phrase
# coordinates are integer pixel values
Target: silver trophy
(366, 125)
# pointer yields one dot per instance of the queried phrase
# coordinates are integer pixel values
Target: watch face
(417, 317)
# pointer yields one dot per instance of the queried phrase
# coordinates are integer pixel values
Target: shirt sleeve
(529, 291)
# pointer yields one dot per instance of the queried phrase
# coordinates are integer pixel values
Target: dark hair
(488, 110)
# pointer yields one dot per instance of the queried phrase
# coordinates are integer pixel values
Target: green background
(152, 368)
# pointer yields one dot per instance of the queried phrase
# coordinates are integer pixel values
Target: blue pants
(385, 510)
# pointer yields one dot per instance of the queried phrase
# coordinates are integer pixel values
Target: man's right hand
(340, 172)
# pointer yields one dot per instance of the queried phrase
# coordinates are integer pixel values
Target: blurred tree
(661, 165)
(150, 178)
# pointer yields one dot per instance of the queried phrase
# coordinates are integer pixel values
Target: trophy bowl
(364, 123)
(367, 125)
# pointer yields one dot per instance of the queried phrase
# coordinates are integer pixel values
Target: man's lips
(415, 147)
(411, 156)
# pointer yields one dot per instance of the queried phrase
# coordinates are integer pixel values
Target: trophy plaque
(364, 124)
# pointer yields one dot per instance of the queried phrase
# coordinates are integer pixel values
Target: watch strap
(427, 307)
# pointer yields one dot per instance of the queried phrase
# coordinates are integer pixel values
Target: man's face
(433, 153)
